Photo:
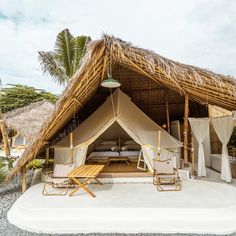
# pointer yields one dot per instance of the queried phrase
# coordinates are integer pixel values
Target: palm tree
(64, 60)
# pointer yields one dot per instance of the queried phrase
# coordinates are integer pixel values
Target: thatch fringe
(29, 119)
(200, 84)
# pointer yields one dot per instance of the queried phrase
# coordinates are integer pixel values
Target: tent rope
(112, 102)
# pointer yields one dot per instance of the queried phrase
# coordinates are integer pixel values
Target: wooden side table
(88, 172)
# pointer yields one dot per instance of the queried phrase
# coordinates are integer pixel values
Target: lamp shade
(110, 83)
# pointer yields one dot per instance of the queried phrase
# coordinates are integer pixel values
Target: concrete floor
(201, 207)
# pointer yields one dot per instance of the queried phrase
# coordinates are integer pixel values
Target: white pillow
(114, 148)
(130, 142)
(103, 148)
(108, 143)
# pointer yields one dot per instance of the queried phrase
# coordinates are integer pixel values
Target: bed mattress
(104, 154)
(129, 154)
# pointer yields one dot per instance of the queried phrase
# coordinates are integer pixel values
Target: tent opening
(117, 151)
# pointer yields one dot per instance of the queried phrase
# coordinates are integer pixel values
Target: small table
(117, 159)
(88, 172)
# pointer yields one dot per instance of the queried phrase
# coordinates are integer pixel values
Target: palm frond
(50, 65)
(64, 50)
(80, 48)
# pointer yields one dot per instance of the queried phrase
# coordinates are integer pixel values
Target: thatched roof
(202, 85)
(28, 120)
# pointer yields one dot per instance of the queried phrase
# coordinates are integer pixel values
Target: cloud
(201, 32)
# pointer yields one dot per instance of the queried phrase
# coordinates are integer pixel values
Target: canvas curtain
(224, 127)
(136, 123)
(200, 128)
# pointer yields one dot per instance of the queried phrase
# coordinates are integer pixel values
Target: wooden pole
(192, 156)
(167, 111)
(71, 147)
(185, 131)
(23, 179)
(6, 145)
(47, 156)
(158, 144)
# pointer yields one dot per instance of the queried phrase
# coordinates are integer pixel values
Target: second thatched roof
(28, 120)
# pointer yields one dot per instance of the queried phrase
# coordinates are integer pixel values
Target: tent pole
(5, 138)
(192, 156)
(158, 145)
(71, 147)
(23, 179)
(185, 131)
(167, 111)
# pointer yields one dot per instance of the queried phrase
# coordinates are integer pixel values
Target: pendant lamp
(110, 82)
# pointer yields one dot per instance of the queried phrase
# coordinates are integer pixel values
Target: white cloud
(194, 32)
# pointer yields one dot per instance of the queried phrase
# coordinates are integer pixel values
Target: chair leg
(160, 185)
(154, 179)
(98, 181)
(45, 192)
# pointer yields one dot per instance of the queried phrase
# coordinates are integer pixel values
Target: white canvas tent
(117, 108)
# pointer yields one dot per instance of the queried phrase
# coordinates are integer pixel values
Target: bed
(108, 149)
(104, 155)
(216, 163)
(132, 155)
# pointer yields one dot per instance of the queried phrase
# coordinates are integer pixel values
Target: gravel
(9, 192)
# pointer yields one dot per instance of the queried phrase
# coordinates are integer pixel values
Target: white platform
(201, 207)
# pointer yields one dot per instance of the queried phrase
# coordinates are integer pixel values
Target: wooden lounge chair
(58, 179)
(165, 176)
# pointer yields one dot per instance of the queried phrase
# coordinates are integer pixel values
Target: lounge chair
(58, 179)
(165, 176)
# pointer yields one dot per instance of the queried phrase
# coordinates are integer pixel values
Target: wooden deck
(116, 170)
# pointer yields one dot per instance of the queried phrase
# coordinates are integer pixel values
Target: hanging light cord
(112, 102)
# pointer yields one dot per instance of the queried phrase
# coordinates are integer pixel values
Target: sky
(196, 32)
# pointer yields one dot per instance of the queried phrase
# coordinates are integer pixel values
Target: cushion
(131, 147)
(130, 142)
(62, 170)
(163, 167)
(114, 148)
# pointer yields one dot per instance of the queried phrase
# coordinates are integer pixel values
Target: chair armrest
(48, 174)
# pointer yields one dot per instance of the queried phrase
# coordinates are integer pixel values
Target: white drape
(224, 127)
(200, 127)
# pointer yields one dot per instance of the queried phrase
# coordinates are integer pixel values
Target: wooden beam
(6, 145)
(77, 101)
(192, 156)
(23, 179)
(185, 130)
(167, 111)
(47, 156)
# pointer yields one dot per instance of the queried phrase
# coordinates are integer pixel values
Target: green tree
(64, 60)
(18, 95)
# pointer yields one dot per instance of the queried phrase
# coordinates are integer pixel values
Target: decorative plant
(5, 166)
(38, 164)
